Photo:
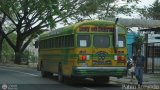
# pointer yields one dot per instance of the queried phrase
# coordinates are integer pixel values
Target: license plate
(98, 62)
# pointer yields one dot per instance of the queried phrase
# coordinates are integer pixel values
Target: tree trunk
(18, 55)
(17, 50)
(1, 42)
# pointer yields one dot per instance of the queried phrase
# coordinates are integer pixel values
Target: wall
(130, 39)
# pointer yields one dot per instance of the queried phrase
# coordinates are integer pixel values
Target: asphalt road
(19, 78)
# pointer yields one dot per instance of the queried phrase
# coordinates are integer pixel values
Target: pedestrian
(138, 60)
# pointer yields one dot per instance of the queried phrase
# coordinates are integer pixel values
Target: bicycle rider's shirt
(139, 61)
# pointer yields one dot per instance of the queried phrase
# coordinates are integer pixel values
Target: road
(19, 78)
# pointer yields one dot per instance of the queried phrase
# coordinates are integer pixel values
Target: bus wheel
(100, 80)
(46, 74)
(60, 74)
(49, 74)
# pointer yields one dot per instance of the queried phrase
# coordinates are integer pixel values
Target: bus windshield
(101, 41)
(83, 40)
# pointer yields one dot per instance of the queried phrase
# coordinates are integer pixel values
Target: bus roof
(71, 28)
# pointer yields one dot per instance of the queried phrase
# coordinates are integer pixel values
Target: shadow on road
(78, 82)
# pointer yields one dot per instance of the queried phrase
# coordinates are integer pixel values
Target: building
(130, 40)
(152, 49)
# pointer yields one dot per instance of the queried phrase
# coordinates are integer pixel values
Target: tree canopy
(151, 12)
(101, 9)
(29, 17)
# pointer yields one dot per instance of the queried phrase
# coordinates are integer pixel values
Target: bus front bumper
(99, 71)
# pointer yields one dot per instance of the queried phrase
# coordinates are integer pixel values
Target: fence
(151, 51)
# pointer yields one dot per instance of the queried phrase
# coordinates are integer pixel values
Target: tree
(102, 9)
(151, 12)
(7, 51)
(2, 20)
(28, 17)
(139, 41)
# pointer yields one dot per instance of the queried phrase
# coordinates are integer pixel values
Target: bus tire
(49, 74)
(60, 73)
(101, 80)
(46, 74)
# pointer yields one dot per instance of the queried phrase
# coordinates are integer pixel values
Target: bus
(94, 49)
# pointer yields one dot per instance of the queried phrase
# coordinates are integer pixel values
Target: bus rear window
(83, 40)
(101, 41)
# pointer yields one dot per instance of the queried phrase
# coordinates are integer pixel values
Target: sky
(141, 4)
(146, 3)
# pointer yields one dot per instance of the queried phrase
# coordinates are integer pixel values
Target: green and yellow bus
(88, 49)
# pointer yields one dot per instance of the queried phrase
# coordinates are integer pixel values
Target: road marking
(20, 72)
(88, 88)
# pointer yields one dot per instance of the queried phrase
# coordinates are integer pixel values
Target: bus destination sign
(95, 29)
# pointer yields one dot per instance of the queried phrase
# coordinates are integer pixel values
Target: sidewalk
(31, 65)
(147, 79)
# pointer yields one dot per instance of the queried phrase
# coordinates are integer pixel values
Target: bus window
(60, 41)
(83, 40)
(121, 41)
(41, 44)
(101, 41)
(56, 42)
(63, 41)
(71, 39)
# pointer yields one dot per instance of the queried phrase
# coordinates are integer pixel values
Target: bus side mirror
(36, 44)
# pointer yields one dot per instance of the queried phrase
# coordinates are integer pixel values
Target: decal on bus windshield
(83, 43)
(120, 44)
